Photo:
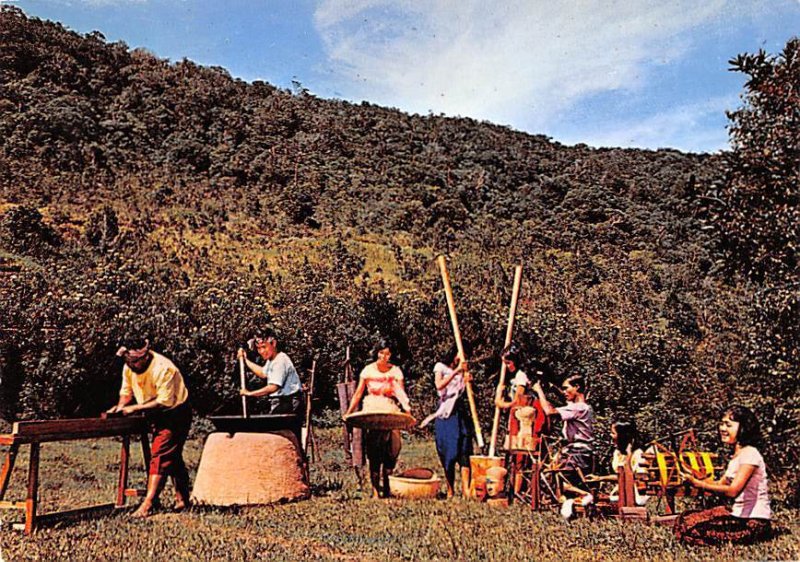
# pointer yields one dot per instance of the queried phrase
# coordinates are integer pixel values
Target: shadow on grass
(779, 531)
(216, 509)
(326, 486)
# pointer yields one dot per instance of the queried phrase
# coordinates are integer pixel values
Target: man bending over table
(157, 385)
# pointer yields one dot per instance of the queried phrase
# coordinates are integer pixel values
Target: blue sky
(634, 73)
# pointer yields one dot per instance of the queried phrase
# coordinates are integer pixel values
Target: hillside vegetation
(140, 194)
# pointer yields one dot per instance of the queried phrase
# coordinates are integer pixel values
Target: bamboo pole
(451, 307)
(310, 395)
(512, 312)
(241, 383)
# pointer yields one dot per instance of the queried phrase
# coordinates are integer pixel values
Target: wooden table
(34, 433)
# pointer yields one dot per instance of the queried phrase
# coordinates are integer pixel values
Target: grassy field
(339, 522)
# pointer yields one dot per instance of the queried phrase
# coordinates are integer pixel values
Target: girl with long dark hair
(745, 480)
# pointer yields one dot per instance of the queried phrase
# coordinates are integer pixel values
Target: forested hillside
(138, 193)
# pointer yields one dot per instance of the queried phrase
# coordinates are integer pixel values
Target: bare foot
(182, 502)
(375, 494)
(143, 510)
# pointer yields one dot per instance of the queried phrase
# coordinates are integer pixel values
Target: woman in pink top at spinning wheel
(745, 480)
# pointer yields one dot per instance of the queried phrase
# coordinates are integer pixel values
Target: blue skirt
(454, 439)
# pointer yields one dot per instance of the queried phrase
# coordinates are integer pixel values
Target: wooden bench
(34, 433)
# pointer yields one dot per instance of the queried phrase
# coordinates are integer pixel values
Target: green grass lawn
(340, 521)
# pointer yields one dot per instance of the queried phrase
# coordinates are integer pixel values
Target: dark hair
(513, 353)
(382, 343)
(262, 335)
(578, 381)
(450, 357)
(452, 353)
(540, 371)
(265, 333)
(626, 434)
(134, 341)
(749, 429)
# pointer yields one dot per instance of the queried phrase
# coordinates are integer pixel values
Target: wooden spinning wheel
(667, 462)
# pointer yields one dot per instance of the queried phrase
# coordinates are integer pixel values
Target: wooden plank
(82, 428)
(665, 520)
(635, 513)
(535, 491)
(344, 403)
(12, 505)
(33, 489)
(124, 458)
(56, 516)
(146, 451)
(8, 466)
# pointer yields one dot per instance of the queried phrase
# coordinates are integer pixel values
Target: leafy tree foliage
(756, 212)
(760, 212)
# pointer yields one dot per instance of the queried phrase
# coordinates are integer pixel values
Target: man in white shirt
(283, 389)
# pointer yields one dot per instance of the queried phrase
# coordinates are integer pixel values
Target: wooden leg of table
(33, 489)
(146, 449)
(124, 461)
(145, 438)
(535, 492)
(8, 466)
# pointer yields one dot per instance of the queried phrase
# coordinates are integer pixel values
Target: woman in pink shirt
(745, 480)
(383, 383)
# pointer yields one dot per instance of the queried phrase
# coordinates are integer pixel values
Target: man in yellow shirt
(157, 385)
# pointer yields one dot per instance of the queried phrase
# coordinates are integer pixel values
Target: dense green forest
(142, 194)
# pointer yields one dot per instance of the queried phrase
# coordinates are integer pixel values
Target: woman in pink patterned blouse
(383, 383)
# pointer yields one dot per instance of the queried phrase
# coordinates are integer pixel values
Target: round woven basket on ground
(418, 483)
(250, 469)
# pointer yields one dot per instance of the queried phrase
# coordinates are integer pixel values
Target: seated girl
(627, 458)
(745, 480)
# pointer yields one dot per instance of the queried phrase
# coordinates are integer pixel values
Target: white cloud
(522, 61)
(693, 127)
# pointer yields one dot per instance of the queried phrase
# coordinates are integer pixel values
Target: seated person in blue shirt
(283, 390)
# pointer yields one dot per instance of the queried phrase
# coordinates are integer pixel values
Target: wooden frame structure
(34, 433)
(662, 475)
(533, 473)
(524, 474)
(352, 436)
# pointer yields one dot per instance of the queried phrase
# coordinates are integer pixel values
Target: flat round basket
(414, 488)
(380, 420)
